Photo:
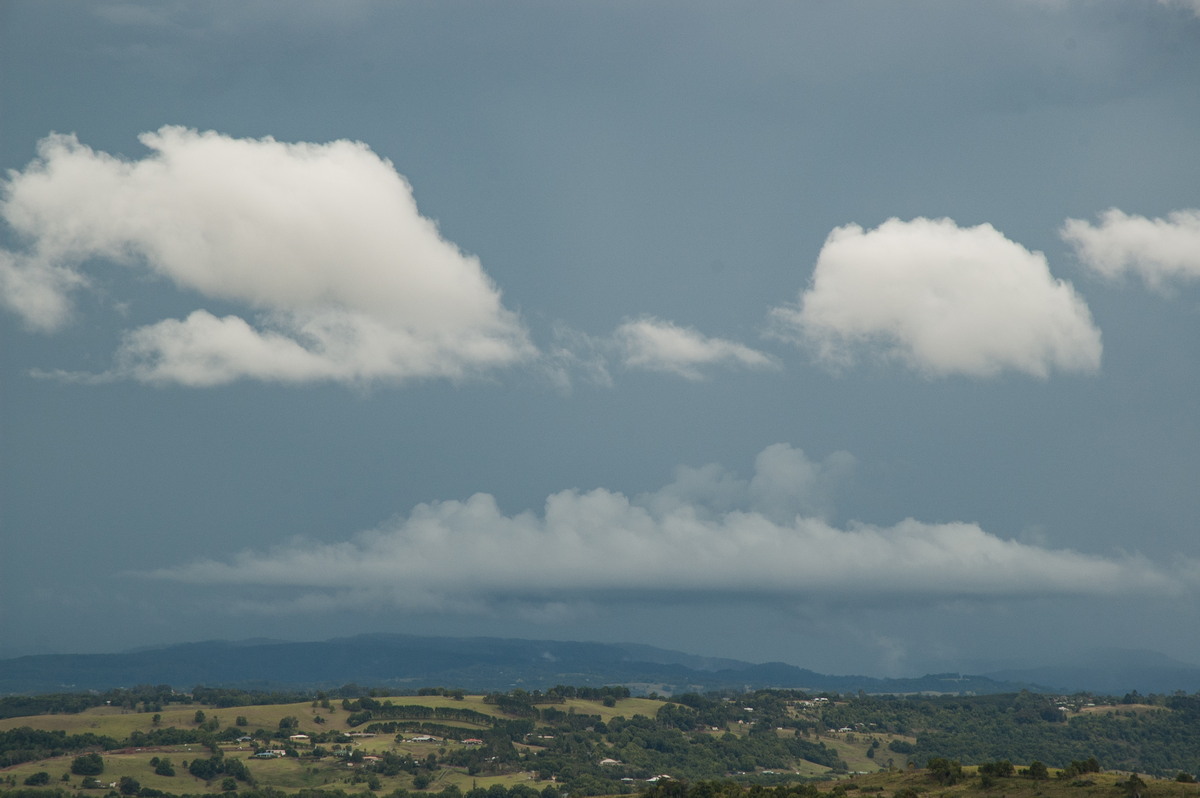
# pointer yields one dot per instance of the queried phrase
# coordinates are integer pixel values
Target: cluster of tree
(208, 769)
(421, 727)
(366, 709)
(1160, 743)
(515, 791)
(19, 706)
(561, 692)
(248, 792)
(643, 747)
(29, 745)
(732, 789)
(150, 698)
(522, 704)
(498, 753)
(572, 721)
(225, 697)
(87, 764)
(517, 703)
(456, 694)
(1019, 727)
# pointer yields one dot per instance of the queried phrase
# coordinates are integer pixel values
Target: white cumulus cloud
(656, 345)
(322, 245)
(1157, 250)
(711, 533)
(942, 298)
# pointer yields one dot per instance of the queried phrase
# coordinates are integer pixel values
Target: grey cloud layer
(709, 532)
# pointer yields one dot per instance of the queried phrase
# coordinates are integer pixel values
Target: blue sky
(863, 336)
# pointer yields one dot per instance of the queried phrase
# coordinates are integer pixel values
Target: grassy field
(853, 748)
(136, 765)
(1119, 709)
(286, 774)
(120, 723)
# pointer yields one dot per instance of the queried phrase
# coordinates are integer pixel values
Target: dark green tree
(945, 771)
(87, 765)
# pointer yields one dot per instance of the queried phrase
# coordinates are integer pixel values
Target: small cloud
(337, 275)
(574, 354)
(742, 540)
(1191, 5)
(652, 344)
(942, 298)
(647, 344)
(1157, 250)
(37, 291)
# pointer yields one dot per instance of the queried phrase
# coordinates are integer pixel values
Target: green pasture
(135, 765)
(120, 723)
(625, 707)
(852, 748)
(285, 773)
(113, 721)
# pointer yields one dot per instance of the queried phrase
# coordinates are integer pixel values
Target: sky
(863, 336)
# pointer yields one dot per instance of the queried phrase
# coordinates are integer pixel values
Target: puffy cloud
(1157, 250)
(683, 540)
(944, 299)
(656, 345)
(322, 243)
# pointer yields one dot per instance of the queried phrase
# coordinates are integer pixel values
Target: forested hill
(408, 662)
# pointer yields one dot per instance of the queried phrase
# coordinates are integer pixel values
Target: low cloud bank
(943, 299)
(322, 244)
(710, 533)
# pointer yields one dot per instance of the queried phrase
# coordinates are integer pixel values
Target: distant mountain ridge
(1112, 671)
(408, 662)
